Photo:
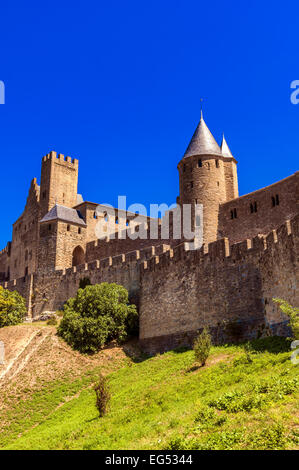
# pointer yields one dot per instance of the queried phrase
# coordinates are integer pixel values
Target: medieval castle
(250, 251)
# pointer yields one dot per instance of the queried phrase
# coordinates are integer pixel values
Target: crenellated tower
(208, 176)
(59, 182)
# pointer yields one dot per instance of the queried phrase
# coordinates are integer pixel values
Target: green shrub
(204, 415)
(102, 395)
(12, 308)
(202, 346)
(59, 313)
(97, 315)
(52, 321)
(272, 437)
(292, 313)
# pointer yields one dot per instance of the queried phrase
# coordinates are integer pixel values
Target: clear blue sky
(118, 85)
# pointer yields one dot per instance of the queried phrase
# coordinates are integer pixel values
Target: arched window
(199, 163)
(68, 228)
(78, 256)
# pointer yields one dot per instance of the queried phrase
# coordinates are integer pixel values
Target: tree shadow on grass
(271, 344)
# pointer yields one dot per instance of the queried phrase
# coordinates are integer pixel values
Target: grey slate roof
(67, 214)
(225, 148)
(202, 142)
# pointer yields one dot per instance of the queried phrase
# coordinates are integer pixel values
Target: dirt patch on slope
(37, 356)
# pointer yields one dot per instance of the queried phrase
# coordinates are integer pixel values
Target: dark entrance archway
(78, 256)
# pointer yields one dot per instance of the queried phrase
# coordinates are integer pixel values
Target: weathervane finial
(201, 101)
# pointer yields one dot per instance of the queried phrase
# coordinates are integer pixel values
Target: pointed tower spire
(225, 150)
(202, 142)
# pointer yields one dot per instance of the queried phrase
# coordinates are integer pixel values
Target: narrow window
(184, 168)
(253, 207)
(95, 215)
(217, 163)
(191, 184)
(49, 227)
(116, 220)
(68, 228)
(199, 163)
(44, 194)
(273, 201)
(233, 214)
(208, 165)
(277, 199)
(217, 183)
(79, 230)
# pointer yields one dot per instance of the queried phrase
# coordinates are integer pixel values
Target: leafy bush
(202, 346)
(97, 315)
(271, 438)
(52, 321)
(12, 308)
(102, 395)
(205, 415)
(292, 313)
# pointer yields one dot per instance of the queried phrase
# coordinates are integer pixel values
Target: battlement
(221, 249)
(6, 250)
(53, 156)
(152, 258)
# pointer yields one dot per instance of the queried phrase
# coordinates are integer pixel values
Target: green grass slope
(166, 402)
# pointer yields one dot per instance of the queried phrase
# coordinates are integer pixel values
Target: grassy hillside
(166, 402)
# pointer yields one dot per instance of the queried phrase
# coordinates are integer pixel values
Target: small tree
(102, 395)
(247, 349)
(98, 314)
(202, 346)
(12, 307)
(292, 313)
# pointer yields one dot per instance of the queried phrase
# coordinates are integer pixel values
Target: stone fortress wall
(249, 256)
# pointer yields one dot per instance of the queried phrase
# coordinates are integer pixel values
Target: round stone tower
(205, 174)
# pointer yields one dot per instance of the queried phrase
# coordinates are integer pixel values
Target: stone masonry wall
(230, 289)
(267, 217)
(52, 289)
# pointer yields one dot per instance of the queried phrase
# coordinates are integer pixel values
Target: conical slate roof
(66, 214)
(225, 148)
(202, 142)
